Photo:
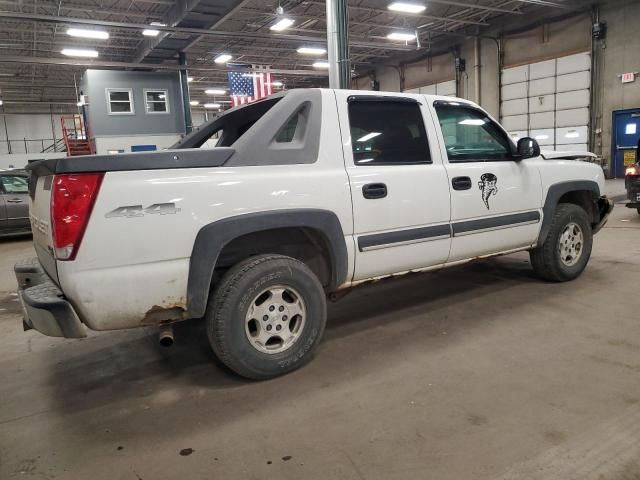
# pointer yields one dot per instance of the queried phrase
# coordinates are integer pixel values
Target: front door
(399, 187)
(626, 137)
(495, 200)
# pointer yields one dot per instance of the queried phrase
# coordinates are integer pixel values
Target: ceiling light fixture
(311, 51)
(85, 33)
(78, 52)
(194, 103)
(150, 32)
(407, 7)
(321, 64)
(1, 102)
(277, 84)
(222, 58)
(402, 36)
(282, 24)
(211, 105)
(215, 91)
(189, 79)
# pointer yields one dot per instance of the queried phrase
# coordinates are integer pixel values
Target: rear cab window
(387, 131)
(12, 184)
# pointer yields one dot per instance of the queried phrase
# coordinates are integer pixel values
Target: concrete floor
(478, 372)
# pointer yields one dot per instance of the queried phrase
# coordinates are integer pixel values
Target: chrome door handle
(14, 200)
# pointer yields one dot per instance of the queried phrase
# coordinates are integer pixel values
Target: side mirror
(527, 148)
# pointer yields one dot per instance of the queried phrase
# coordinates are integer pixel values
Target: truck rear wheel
(266, 316)
(567, 248)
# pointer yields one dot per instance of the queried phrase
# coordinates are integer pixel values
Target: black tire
(546, 259)
(638, 211)
(226, 316)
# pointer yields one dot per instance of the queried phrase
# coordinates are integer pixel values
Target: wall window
(387, 132)
(120, 101)
(156, 101)
(471, 136)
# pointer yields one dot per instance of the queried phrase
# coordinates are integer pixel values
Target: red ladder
(75, 136)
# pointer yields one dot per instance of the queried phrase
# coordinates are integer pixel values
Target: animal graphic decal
(488, 185)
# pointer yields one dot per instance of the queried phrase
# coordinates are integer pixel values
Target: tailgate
(40, 215)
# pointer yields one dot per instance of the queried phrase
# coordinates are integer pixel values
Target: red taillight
(632, 170)
(72, 199)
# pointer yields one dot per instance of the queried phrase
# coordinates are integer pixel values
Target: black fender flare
(554, 193)
(212, 238)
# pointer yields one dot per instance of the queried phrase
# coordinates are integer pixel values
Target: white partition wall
(549, 101)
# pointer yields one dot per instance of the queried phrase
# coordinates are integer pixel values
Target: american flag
(248, 86)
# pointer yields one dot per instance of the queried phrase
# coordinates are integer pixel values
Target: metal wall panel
(514, 90)
(542, 120)
(571, 135)
(542, 86)
(574, 63)
(577, 99)
(573, 81)
(515, 122)
(446, 88)
(429, 89)
(515, 75)
(514, 107)
(542, 69)
(572, 118)
(542, 103)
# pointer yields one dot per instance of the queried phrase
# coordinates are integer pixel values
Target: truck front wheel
(567, 247)
(266, 316)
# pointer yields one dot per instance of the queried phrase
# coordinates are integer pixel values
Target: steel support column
(184, 88)
(338, 44)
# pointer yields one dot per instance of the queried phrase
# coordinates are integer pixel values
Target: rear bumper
(632, 184)
(605, 206)
(43, 304)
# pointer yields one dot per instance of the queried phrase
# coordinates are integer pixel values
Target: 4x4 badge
(488, 186)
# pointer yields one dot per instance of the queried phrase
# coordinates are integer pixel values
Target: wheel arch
(321, 226)
(584, 193)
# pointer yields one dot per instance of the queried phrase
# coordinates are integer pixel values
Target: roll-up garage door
(549, 101)
(442, 88)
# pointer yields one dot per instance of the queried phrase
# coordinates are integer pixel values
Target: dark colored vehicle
(14, 204)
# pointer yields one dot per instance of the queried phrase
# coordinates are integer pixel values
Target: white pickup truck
(251, 221)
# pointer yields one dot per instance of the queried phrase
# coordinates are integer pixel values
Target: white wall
(29, 126)
(104, 144)
(19, 160)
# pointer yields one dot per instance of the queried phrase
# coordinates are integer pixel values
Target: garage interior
(479, 371)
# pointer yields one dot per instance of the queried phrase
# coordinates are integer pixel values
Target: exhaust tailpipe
(166, 335)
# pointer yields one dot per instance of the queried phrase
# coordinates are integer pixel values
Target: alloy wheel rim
(571, 244)
(275, 319)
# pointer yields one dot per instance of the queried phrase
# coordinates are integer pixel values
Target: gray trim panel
(212, 238)
(369, 242)
(512, 220)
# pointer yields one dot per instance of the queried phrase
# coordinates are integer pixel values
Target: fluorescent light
(368, 136)
(189, 79)
(150, 32)
(0, 102)
(85, 33)
(158, 24)
(223, 58)
(282, 24)
(79, 104)
(311, 51)
(321, 64)
(215, 91)
(211, 105)
(405, 37)
(572, 134)
(162, 96)
(471, 121)
(407, 7)
(78, 52)
(194, 103)
(276, 84)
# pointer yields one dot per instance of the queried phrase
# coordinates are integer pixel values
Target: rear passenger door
(16, 198)
(399, 189)
(496, 200)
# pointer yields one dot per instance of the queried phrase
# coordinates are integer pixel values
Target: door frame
(614, 136)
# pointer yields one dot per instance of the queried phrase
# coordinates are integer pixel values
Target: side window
(471, 136)
(120, 101)
(14, 184)
(294, 129)
(156, 101)
(387, 132)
